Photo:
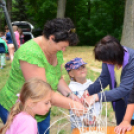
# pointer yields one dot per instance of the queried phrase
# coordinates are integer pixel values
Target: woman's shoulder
(31, 53)
(30, 47)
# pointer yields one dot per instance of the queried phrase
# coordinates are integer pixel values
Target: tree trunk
(9, 7)
(61, 8)
(127, 38)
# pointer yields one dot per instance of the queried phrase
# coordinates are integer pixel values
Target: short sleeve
(32, 53)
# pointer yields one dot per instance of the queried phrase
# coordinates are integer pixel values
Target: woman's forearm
(61, 101)
(63, 87)
(67, 103)
(129, 113)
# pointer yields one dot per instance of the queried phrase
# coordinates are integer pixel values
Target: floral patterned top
(33, 54)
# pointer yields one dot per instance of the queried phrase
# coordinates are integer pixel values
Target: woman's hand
(90, 100)
(123, 127)
(74, 97)
(78, 108)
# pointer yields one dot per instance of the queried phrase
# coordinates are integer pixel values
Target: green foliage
(19, 11)
(41, 11)
(96, 18)
(93, 18)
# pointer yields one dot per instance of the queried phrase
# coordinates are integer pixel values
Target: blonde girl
(17, 35)
(34, 99)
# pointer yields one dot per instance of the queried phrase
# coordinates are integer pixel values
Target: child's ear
(71, 74)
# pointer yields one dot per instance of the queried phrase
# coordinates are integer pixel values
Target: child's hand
(123, 127)
(78, 108)
(85, 94)
(89, 123)
(90, 100)
(86, 121)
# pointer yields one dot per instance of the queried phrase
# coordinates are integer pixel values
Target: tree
(19, 10)
(61, 8)
(40, 11)
(127, 38)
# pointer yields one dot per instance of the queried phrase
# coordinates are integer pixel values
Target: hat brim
(81, 65)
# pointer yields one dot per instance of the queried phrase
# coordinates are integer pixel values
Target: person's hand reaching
(85, 94)
(88, 123)
(123, 127)
(78, 109)
(74, 97)
(90, 100)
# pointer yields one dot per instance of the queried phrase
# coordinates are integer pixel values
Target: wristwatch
(69, 94)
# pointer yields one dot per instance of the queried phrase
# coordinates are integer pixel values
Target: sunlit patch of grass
(4, 74)
(63, 132)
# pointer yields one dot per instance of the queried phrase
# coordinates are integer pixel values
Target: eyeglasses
(72, 30)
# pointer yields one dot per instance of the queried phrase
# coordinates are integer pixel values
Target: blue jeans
(42, 126)
(3, 114)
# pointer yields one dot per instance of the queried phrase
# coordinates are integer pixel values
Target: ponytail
(16, 109)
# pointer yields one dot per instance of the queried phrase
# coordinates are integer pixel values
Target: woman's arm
(63, 87)
(67, 103)
(65, 90)
(31, 70)
(125, 125)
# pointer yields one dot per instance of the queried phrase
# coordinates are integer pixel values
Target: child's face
(79, 73)
(42, 107)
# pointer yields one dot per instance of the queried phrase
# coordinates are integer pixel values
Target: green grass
(4, 74)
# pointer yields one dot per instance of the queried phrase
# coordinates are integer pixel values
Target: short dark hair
(61, 29)
(109, 49)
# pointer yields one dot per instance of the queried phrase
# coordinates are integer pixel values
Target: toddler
(34, 99)
(77, 71)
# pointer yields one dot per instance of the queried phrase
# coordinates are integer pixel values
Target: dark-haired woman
(42, 57)
(117, 72)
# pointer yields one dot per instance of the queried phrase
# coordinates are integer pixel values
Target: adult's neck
(46, 46)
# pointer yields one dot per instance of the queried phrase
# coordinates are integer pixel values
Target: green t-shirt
(33, 54)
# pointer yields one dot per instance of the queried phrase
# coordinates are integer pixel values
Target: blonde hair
(20, 31)
(15, 28)
(35, 89)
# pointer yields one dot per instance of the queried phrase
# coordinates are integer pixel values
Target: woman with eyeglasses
(42, 57)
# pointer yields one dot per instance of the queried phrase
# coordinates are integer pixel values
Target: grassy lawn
(94, 68)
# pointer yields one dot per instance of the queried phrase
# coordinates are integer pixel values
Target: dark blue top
(9, 38)
(127, 79)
